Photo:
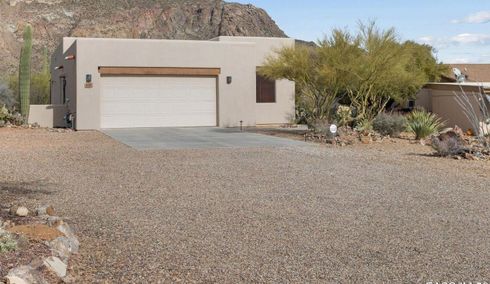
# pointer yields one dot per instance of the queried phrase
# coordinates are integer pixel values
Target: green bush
(40, 89)
(11, 117)
(41, 82)
(4, 113)
(320, 126)
(423, 124)
(390, 124)
(7, 243)
(364, 126)
(7, 97)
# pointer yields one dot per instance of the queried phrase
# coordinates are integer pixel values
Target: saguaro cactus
(25, 72)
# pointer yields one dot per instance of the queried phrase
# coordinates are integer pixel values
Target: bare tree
(475, 107)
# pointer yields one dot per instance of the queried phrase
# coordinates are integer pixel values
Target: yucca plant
(423, 123)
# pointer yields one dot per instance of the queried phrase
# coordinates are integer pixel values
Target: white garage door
(128, 102)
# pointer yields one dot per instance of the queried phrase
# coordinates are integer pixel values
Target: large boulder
(57, 266)
(24, 275)
(63, 247)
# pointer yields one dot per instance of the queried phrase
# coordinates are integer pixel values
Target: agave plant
(423, 124)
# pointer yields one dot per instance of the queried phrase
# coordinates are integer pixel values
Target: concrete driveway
(195, 138)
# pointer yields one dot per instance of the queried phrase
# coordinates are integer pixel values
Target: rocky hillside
(168, 19)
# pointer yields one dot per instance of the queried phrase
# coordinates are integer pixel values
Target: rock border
(62, 248)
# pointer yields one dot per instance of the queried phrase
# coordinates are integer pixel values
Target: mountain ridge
(145, 19)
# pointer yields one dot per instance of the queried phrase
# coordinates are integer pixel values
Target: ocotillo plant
(25, 72)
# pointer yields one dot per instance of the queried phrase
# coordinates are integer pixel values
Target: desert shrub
(344, 115)
(7, 97)
(423, 124)
(40, 89)
(364, 126)
(320, 126)
(7, 243)
(301, 115)
(390, 124)
(12, 117)
(4, 113)
(17, 119)
(41, 82)
(449, 146)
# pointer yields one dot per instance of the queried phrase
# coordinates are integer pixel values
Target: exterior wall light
(59, 67)
(88, 81)
(229, 79)
(70, 57)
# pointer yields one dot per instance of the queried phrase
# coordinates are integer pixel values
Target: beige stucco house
(126, 83)
(440, 98)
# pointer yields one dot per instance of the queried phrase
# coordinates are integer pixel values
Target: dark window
(63, 90)
(266, 90)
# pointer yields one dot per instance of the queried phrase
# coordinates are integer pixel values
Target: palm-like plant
(423, 124)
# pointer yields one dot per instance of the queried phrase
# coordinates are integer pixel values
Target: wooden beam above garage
(159, 71)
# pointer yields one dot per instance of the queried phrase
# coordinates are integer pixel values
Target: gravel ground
(383, 213)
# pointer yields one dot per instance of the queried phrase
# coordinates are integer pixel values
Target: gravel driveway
(383, 213)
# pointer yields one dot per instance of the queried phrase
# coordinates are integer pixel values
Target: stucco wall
(47, 115)
(424, 99)
(444, 104)
(283, 110)
(68, 71)
(236, 100)
(440, 98)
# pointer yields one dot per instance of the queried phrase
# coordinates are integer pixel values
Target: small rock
(365, 139)
(63, 247)
(471, 157)
(68, 232)
(54, 221)
(458, 131)
(13, 209)
(22, 211)
(7, 224)
(15, 280)
(45, 210)
(56, 265)
(37, 262)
